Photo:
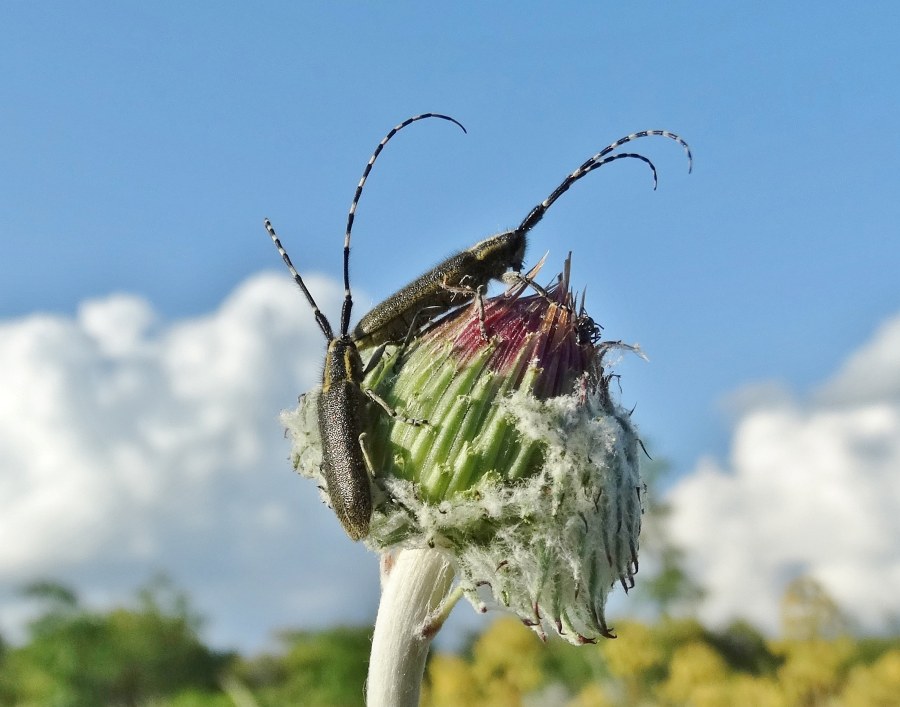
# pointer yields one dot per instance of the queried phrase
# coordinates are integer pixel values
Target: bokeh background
(149, 335)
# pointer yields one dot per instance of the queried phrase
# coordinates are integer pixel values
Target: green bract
(527, 476)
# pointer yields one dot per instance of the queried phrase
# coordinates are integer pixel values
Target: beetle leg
(416, 422)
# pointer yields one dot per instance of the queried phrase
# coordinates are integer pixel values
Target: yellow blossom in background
(450, 682)
(697, 675)
(876, 685)
(813, 670)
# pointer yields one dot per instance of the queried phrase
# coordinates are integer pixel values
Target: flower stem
(415, 584)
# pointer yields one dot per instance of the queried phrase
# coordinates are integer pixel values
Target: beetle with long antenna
(344, 401)
(463, 277)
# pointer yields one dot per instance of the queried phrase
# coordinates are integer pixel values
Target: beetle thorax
(501, 252)
(342, 362)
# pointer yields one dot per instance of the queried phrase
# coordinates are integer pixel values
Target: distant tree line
(150, 654)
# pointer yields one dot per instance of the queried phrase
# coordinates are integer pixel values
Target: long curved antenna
(348, 300)
(537, 213)
(610, 158)
(324, 325)
(598, 160)
(644, 133)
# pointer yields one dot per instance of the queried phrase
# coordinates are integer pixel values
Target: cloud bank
(810, 487)
(129, 445)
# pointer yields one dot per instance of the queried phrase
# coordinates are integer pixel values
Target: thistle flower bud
(527, 475)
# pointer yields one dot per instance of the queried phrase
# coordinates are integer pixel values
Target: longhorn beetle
(343, 401)
(465, 276)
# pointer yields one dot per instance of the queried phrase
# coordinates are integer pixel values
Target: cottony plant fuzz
(527, 475)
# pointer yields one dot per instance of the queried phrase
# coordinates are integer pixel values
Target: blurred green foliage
(150, 654)
(75, 656)
(316, 668)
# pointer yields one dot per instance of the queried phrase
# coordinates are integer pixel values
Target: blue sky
(142, 145)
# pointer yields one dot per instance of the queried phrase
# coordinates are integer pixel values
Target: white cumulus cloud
(129, 445)
(811, 487)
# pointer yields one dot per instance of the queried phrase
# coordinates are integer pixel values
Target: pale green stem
(415, 585)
